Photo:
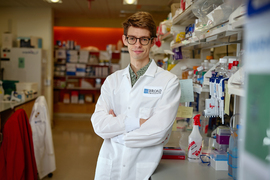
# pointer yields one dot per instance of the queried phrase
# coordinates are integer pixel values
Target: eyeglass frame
(149, 39)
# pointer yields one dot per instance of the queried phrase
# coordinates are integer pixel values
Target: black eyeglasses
(143, 40)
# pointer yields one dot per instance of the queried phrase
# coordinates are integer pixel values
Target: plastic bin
(9, 86)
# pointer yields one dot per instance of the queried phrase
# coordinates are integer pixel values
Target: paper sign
(184, 112)
(174, 127)
(186, 91)
(21, 62)
(227, 100)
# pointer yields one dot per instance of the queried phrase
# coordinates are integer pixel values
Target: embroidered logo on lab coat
(152, 91)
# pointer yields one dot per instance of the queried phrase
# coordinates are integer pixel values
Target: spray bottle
(195, 141)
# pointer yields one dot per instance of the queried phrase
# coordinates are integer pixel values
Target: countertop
(171, 169)
(185, 170)
(5, 105)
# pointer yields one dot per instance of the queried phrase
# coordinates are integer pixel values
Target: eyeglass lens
(143, 40)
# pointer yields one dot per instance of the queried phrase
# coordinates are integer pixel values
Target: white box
(60, 54)
(28, 86)
(80, 73)
(219, 165)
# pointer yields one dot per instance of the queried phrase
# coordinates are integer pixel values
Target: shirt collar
(151, 70)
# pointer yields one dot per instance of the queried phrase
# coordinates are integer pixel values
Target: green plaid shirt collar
(133, 76)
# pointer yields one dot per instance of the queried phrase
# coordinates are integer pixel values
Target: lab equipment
(233, 150)
(195, 141)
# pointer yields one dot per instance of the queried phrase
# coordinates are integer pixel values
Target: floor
(76, 149)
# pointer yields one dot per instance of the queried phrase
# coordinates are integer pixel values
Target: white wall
(26, 22)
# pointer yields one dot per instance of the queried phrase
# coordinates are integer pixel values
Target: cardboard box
(174, 7)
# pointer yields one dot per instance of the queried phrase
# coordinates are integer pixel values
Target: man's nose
(138, 44)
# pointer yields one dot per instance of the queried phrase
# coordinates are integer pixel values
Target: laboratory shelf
(185, 18)
(75, 88)
(167, 37)
(59, 76)
(239, 24)
(217, 36)
(86, 77)
(82, 88)
(235, 85)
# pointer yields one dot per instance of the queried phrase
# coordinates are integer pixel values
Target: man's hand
(142, 121)
(112, 113)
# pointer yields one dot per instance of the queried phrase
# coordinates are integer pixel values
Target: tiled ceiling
(98, 8)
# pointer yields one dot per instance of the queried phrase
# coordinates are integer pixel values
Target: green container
(9, 86)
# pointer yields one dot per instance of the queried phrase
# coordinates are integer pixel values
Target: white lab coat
(42, 137)
(135, 155)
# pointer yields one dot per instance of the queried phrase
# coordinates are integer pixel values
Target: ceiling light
(54, 1)
(133, 2)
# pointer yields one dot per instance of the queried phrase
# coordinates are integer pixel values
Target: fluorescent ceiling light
(133, 2)
(54, 1)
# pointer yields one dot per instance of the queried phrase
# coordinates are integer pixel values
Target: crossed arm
(141, 120)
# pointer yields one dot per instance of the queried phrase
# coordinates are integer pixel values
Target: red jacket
(17, 160)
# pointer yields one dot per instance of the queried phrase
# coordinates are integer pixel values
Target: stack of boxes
(83, 57)
(219, 156)
(72, 56)
(80, 69)
(71, 69)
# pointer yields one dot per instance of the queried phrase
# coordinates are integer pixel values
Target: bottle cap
(230, 66)
(209, 57)
(190, 72)
(235, 63)
(197, 120)
(200, 68)
(223, 60)
(206, 61)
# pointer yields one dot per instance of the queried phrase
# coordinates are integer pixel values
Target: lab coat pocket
(39, 133)
(146, 113)
(145, 170)
(103, 170)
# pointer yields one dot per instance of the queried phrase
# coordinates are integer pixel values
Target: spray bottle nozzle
(197, 120)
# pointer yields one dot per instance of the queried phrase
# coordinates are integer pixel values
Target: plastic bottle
(222, 69)
(195, 72)
(200, 76)
(184, 72)
(230, 65)
(235, 67)
(233, 150)
(190, 74)
(205, 65)
(195, 141)
(212, 63)
(1, 91)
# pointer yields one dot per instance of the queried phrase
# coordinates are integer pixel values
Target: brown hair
(140, 20)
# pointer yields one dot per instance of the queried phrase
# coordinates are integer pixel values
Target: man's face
(137, 51)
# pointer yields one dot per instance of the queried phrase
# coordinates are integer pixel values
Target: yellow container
(170, 66)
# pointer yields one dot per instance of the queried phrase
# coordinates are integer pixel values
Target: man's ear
(153, 42)
(124, 40)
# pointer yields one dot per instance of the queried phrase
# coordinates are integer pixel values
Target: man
(136, 109)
